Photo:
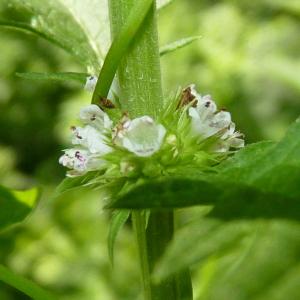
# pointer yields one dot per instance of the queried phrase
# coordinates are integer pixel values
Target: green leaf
(65, 76)
(184, 285)
(78, 27)
(117, 221)
(24, 285)
(71, 183)
(16, 205)
(252, 229)
(239, 250)
(168, 193)
(197, 241)
(177, 45)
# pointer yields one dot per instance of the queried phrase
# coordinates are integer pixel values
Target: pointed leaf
(177, 45)
(117, 221)
(16, 205)
(65, 76)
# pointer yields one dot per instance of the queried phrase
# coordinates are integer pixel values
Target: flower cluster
(142, 137)
(207, 122)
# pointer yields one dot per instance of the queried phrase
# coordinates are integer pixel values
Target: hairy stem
(139, 71)
(139, 225)
(141, 94)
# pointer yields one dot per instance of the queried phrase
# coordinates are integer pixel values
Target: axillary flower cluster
(190, 124)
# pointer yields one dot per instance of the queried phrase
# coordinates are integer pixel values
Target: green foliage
(66, 76)
(234, 253)
(118, 219)
(72, 25)
(270, 181)
(247, 246)
(251, 200)
(28, 287)
(169, 48)
(16, 205)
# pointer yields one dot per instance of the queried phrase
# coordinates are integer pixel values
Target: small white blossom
(90, 138)
(90, 83)
(93, 115)
(80, 161)
(90, 141)
(141, 136)
(207, 122)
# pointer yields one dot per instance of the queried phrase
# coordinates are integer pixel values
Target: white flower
(95, 116)
(90, 141)
(90, 83)
(207, 122)
(90, 138)
(80, 161)
(141, 136)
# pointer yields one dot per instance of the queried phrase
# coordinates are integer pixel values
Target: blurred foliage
(248, 59)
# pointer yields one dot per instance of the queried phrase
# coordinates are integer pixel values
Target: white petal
(236, 143)
(221, 120)
(229, 132)
(141, 136)
(193, 113)
(90, 138)
(93, 115)
(90, 83)
(75, 159)
(80, 161)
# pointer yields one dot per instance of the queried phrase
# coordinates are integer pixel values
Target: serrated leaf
(16, 205)
(81, 28)
(117, 221)
(24, 285)
(63, 76)
(172, 47)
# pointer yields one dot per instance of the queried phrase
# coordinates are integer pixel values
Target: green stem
(159, 233)
(152, 243)
(139, 71)
(141, 94)
(139, 225)
(119, 46)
